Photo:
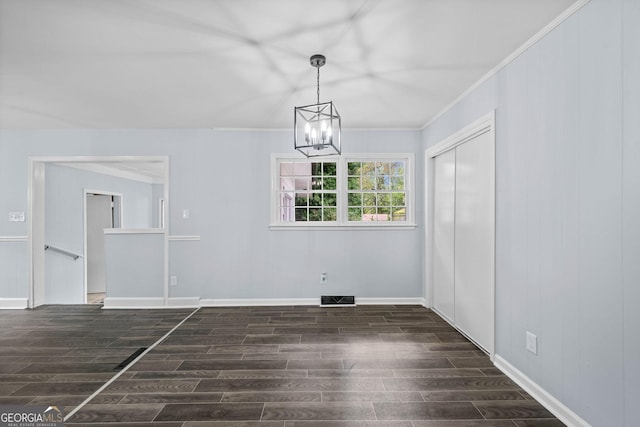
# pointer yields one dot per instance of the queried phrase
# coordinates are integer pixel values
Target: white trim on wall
(13, 303)
(183, 302)
(14, 238)
(390, 301)
(190, 302)
(146, 302)
(184, 238)
(133, 231)
(554, 406)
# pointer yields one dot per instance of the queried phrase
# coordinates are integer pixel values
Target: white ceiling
(245, 63)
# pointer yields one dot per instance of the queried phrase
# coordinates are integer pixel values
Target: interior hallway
(267, 366)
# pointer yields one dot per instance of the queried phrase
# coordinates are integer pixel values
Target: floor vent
(333, 300)
(130, 359)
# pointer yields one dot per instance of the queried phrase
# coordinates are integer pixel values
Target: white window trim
(342, 222)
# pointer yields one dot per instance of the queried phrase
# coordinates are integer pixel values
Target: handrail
(62, 251)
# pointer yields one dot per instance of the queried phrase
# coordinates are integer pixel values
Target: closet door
(474, 240)
(443, 234)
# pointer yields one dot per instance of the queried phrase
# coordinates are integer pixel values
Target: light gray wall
(64, 223)
(134, 265)
(14, 269)
(223, 178)
(568, 209)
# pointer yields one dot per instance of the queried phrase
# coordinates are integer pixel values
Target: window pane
(368, 183)
(368, 214)
(368, 168)
(355, 199)
(286, 169)
(397, 183)
(316, 168)
(316, 199)
(330, 214)
(330, 199)
(369, 199)
(354, 183)
(315, 214)
(383, 182)
(329, 183)
(316, 183)
(301, 199)
(353, 168)
(384, 199)
(384, 214)
(382, 168)
(301, 168)
(399, 214)
(287, 184)
(301, 214)
(397, 199)
(355, 214)
(286, 215)
(397, 168)
(329, 169)
(303, 183)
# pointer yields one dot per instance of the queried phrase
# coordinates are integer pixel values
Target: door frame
(480, 126)
(35, 209)
(85, 192)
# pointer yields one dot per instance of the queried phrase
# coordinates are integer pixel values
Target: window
(308, 191)
(367, 190)
(376, 191)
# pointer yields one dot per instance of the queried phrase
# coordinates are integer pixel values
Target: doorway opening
(103, 210)
(60, 274)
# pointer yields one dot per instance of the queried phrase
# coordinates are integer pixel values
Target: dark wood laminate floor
(259, 366)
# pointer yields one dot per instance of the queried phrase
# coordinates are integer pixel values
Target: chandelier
(316, 127)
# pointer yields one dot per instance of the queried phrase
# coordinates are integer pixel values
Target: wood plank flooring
(258, 366)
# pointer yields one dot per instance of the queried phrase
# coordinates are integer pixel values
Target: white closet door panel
(474, 240)
(443, 233)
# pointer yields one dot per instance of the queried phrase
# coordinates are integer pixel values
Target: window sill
(307, 227)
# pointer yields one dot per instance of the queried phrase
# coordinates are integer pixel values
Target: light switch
(16, 216)
(185, 214)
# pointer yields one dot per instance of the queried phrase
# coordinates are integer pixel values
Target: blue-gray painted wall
(223, 178)
(568, 208)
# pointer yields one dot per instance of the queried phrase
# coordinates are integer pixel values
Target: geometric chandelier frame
(317, 127)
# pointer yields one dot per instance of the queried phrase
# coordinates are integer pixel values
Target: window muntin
(367, 190)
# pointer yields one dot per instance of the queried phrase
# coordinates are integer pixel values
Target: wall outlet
(173, 280)
(323, 278)
(532, 343)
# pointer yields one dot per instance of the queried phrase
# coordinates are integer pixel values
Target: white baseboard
(554, 406)
(110, 302)
(251, 302)
(390, 301)
(303, 301)
(192, 302)
(13, 303)
(183, 302)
